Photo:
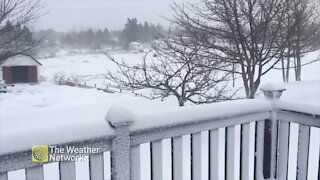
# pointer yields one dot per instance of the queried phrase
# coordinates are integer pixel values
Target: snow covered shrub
(59, 78)
(42, 78)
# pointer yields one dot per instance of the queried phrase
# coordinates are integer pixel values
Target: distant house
(20, 69)
(135, 47)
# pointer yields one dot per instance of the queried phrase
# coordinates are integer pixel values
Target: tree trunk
(295, 63)
(298, 65)
(283, 70)
(181, 101)
(251, 95)
(253, 88)
(246, 86)
(298, 48)
(250, 88)
(288, 68)
(233, 75)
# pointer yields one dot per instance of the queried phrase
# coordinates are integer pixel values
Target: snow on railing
(271, 119)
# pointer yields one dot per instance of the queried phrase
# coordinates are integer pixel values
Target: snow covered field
(56, 110)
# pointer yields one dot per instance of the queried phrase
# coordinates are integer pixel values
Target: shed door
(33, 74)
(7, 74)
(20, 74)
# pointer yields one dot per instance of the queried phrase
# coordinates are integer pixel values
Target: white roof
(20, 60)
(135, 43)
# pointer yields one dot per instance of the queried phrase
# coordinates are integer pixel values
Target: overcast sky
(65, 15)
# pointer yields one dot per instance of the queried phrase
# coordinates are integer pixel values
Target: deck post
(120, 119)
(271, 93)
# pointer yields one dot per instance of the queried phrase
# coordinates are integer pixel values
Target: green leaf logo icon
(40, 153)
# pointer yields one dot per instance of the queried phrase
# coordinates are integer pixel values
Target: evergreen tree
(130, 33)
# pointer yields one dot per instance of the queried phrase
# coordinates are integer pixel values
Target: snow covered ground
(56, 110)
(89, 68)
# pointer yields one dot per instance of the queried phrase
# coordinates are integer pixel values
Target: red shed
(20, 69)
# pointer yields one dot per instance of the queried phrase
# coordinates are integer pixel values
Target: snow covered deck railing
(271, 119)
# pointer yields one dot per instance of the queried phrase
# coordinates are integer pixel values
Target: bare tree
(305, 30)
(15, 16)
(172, 71)
(286, 35)
(244, 33)
(300, 34)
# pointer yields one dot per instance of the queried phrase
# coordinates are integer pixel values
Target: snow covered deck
(263, 152)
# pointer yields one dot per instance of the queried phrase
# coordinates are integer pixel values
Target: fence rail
(271, 144)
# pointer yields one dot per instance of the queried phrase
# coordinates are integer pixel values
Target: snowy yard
(40, 114)
(28, 100)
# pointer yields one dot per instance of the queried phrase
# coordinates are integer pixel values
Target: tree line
(133, 31)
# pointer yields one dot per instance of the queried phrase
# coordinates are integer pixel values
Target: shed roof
(21, 60)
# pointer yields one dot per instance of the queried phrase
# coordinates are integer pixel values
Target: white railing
(271, 119)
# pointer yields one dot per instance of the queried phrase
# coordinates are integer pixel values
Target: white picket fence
(272, 119)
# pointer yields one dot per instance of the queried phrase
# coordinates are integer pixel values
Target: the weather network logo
(40, 153)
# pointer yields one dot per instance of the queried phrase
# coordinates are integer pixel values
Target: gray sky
(65, 15)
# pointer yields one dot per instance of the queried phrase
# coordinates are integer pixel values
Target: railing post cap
(272, 91)
(119, 116)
